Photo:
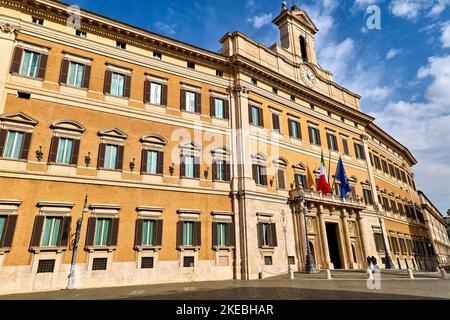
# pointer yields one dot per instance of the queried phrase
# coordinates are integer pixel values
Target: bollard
(261, 275)
(410, 274)
(370, 274)
(292, 274)
(328, 275)
(443, 273)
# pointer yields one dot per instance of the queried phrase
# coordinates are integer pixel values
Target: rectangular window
(222, 234)
(46, 266)
(75, 77)
(394, 206)
(188, 234)
(404, 176)
(2, 226)
(377, 162)
(403, 246)
(117, 84)
(188, 262)
(368, 197)
(386, 204)
(391, 170)
(190, 101)
(256, 119)
(189, 167)
(294, 128)
(332, 142)
(220, 170)
(50, 234)
(260, 175)
(219, 110)
(157, 55)
(81, 34)
(147, 263)
(121, 45)
(38, 21)
(300, 181)
(359, 151)
(397, 173)
(110, 157)
(400, 209)
(345, 145)
(291, 260)
(30, 64)
(102, 232)
(65, 148)
(152, 162)
(99, 264)
(379, 242)
(314, 136)
(155, 96)
(266, 234)
(14, 143)
(148, 227)
(268, 261)
(385, 166)
(276, 122)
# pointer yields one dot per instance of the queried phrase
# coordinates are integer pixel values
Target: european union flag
(342, 177)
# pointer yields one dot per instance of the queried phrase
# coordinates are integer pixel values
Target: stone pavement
(346, 285)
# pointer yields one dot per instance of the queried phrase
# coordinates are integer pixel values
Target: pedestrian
(374, 263)
(369, 262)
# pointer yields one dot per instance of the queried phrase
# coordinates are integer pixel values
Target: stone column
(363, 237)
(324, 240)
(347, 241)
(8, 35)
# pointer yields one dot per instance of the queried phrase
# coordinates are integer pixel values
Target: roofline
(421, 193)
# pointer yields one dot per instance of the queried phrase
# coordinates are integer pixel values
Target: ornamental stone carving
(8, 28)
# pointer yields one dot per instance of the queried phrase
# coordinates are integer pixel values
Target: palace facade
(193, 162)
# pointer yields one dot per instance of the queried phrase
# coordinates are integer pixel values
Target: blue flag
(342, 177)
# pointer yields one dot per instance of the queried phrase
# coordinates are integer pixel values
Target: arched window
(303, 48)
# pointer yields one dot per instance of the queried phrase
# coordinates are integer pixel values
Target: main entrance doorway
(333, 244)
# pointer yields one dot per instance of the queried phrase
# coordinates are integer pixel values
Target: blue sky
(402, 71)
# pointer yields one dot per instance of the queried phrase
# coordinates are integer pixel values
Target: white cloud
(261, 20)
(424, 128)
(165, 28)
(445, 38)
(392, 53)
(411, 9)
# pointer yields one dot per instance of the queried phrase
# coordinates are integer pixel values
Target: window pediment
(19, 117)
(260, 157)
(68, 125)
(113, 133)
(191, 146)
(281, 162)
(154, 139)
(221, 152)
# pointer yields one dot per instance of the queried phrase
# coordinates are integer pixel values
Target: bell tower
(297, 32)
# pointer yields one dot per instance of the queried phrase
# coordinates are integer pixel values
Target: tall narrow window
(110, 157)
(266, 235)
(359, 151)
(65, 148)
(256, 116)
(222, 234)
(148, 227)
(14, 142)
(300, 181)
(276, 122)
(30, 64)
(219, 111)
(368, 198)
(189, 167)
(332, 142)
(2, 227)
(75, 77)
(220, 170)
(152, 162)
(117, 84)
(345, 145)
(303, 48)
(50, 235)
(188, 233)
(190, 101)
(314, 136)
(155, 93)
(102, 232)
(294, 129)
(260, 175)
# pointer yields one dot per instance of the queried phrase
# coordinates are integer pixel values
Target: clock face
(308, 76)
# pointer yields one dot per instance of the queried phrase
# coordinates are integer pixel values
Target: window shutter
(276, 122)
(157, 240)
(281, 180)
(290, 127)
(138, 232)
(254, 168)
(356, 150)
(86, 76)
(108, 80)
(273, 235)
(198, 234)
(127, 88)
(231, 242)
(3, 134)
(144, 160)
(90, 233)
(318, 137)
(260, 235)
(183, 100)
(75, 153)
(160, 162)
(179, 233)
(147, 90)
(310, 129)
(182, 167)
(197, 167)
(101, 156)
(264, 176)
(250, 114)
(120, 152)
(64, 234)
(299, 130)
(37, 231)
(227, 171)
(42, 66)
(212, 106)
(10, 228)
(215, 226)
(25, 146)
(114, 232)
(214, 170)
(17, 60)
(305, 182)
(164, 90)
(198, 102)
(53, 150)
(64, 71)
(226, 109)
(261, 117)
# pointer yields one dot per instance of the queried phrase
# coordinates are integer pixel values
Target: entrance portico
(332, 229)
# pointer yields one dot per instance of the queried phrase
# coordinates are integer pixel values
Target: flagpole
(329, 173)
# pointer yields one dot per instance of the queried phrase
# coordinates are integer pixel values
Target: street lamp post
(388, 260)
(310, 264)
(284, 225)
(71, 282)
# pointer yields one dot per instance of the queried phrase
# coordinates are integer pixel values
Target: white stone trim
(32, 47)
(190, 87)
(77, 59)
(156, 78)
(118, 69)
(189, 215)
(145, 212)
(50, 208)
(105, 210)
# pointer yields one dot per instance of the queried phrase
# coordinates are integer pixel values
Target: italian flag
(324, 185)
